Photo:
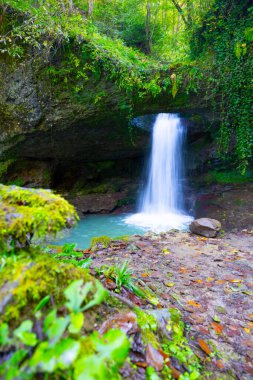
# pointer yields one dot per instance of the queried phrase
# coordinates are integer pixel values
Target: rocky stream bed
(208, 280)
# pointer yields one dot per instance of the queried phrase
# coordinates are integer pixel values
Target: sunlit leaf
(42, 303)
(99, 296)
(76, 323)
(24, 334)
(76, 293)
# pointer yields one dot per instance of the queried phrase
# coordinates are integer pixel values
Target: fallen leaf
(216, 318)
(127, 323)
(199, 281)
(175, 373)
(220, 282)
(193, 303)
(221, 310)
(219, 364)
(217, 327)
(154, 358)
(210, 279)
(203, 330)
(247, 330)
(141, 364)
(145, 274)
(235, 280)
(109, 284)
(248, 293)
(170, 284)
(204, 346)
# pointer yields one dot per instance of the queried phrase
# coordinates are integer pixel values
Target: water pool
(98, 225)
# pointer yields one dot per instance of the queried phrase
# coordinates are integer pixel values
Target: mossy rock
(26, 280)
(27, 213)
(98, 242)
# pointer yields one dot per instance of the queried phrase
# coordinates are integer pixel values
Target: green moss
(101, 240)
(228, 176)
(124, 238)
(148, 326)
(25, 281)
(4, 166)
(25, 213)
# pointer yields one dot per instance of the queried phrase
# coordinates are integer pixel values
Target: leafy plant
(179, 348)
(70, 255)
(122, 276)
(58, 347)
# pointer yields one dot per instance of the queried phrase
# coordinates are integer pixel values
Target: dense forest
(149, 49)
(82, 83)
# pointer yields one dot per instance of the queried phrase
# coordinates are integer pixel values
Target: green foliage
(122, 276)
(179, 347)
(87, 53)
(223, 47)
(70, 255)
(190, 46)
(4, 165)
(59, 347)
(27, 213)
(228, 176)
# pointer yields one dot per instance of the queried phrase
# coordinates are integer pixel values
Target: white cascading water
(161, 204)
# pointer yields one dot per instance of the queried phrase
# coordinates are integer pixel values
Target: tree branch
(180, 10)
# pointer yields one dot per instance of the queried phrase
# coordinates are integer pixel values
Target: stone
(96, 203)
(205, 227)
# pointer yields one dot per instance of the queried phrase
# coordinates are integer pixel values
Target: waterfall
(161, 206)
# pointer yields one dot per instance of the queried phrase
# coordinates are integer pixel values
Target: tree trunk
(147, 29)
(90, 7)
(180, 11)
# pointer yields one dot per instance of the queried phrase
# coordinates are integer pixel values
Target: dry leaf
(204, 346)
(154, 357)
(217, 327)
(127, 323)
(220, 282)
(193, 303)
(183, 270)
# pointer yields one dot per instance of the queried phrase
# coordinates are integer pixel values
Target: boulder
(205, 227)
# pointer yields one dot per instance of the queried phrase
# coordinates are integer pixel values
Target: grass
(123, 277)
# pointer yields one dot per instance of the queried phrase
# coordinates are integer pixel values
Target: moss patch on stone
(103, 241)
(26, 280)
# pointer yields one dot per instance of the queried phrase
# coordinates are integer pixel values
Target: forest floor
(209, 280)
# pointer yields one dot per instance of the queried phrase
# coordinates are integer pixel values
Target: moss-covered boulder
(27, 213)
(26, 280)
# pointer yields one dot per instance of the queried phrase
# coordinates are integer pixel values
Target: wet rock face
(205, 227)
(45, 122)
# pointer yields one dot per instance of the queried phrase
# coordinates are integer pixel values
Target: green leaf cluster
(223, 49)
(56, 346)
